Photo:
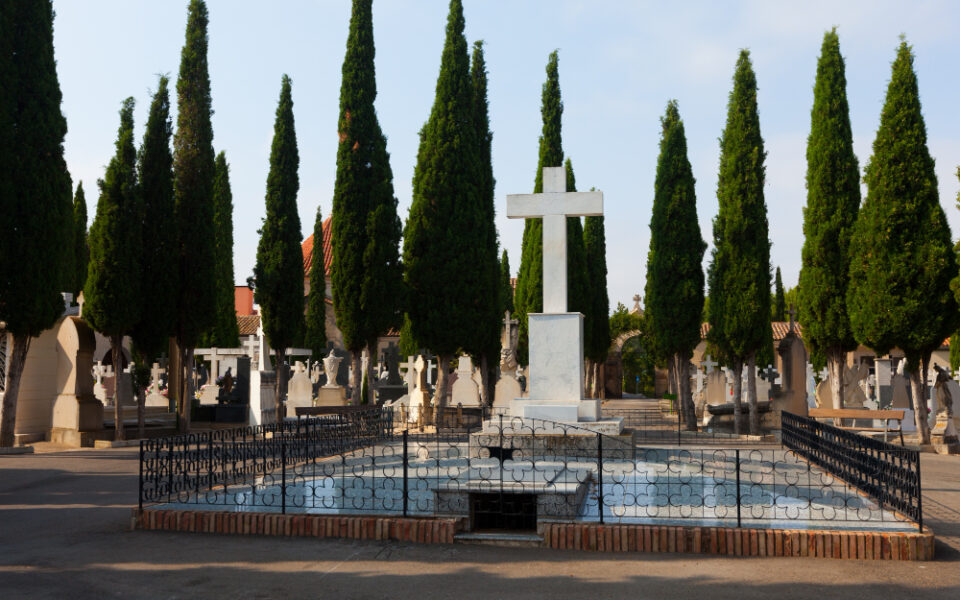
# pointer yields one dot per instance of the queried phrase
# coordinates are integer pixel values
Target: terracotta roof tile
(248, 324)
(307, 248)
(779, 328)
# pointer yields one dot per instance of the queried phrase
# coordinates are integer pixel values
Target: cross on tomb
(554, 205)
(793, 313)
(770, 374)
(709, 364)
(508, 325)
(155, 373)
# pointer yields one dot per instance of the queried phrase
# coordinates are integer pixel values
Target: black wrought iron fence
(888, 474)
(507, 474)
(655, 424)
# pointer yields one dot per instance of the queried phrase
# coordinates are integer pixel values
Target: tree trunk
(752, 393)
(836, 361)
(186, 388)
(737, 408)
(356, 378)
(671, 379)
(485, 395)
(116, 349)
(686, 397)
(600, 382)
(174, 375)
(371, 358)
(8, 411)
(281, 388)
(919, 405)
(588, 379)
(440, 393)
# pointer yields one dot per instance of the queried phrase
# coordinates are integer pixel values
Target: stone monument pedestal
(943, 436)
(331, 396)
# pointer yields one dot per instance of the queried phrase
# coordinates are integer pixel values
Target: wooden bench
(853, 413)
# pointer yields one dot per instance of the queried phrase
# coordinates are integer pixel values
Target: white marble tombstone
(299, 390)
(465, 390)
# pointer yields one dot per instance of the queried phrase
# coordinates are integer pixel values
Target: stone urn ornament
(331, 366)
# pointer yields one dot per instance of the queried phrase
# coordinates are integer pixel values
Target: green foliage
(622, 321)
(674, 287)
(158, 319)
(578, 286)
(315, 337)
(901, 251)
(739, 273)
(833, 200)
(485, 339)
(954, 352)
(506, 289)
(779, 302)
(35, 188)
(279, 268)
(365, 226)
(441, 234)
(224, 333)
(81, 250)
(193, 174)
(112, 291)
(408, 345)
(598, 317)
(529, 295)
(638, 368)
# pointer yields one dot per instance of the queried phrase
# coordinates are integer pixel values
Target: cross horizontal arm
(570, 204)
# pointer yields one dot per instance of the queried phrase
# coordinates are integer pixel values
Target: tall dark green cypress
(441, 229)
(225, 332)
(578, 293)
(529, 298)
(158, 319)
(833, 200)
(506, 288)
(674, 287)
(366, 229)
(739, 274)
(315, 336)
(193, 173)
(35, 187)
(901, 250)
(112, 293)
(779, 299)
(598, 341)
(279, 268)
(485, 342)
(81, 251)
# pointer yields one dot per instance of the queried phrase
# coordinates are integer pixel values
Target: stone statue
(331, 366)
(944, 399)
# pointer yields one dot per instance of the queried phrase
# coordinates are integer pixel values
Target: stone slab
(556, 357)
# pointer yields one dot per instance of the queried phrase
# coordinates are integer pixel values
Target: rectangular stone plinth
(565, 411)
(556, 357)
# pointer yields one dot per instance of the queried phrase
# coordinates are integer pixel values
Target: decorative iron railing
(888, 474)
(511, 471)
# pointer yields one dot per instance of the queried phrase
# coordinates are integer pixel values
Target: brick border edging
(721, 541)
(726, 541)
(423, 531)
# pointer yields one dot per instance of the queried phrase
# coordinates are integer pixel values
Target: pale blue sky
(619, 65)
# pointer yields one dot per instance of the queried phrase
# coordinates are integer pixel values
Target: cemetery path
(64, 533)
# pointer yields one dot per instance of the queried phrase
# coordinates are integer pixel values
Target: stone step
(516, 540)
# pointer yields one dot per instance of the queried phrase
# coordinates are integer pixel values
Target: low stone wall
(723, 541)
(423, 531)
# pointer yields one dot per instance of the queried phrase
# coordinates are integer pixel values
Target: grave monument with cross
(555, 374)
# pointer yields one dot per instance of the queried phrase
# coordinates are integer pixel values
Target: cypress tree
(578, 296)
(833, 200)
(315, 337)
(739, 274)
(779, 299)
(112, 291)
(901, 251)
(595, 247)
(224, 333)
(35, 187)
(193, 174)
(485, 342)
(674, 287)
(529, 297)
(363, 205)
(506, 289)
(441, 231)
(68, 268)
(159, 285)
(279, 268)
(80, 250)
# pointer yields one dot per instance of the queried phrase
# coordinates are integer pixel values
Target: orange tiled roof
(248, 324)
(307, 248)
(779, 328)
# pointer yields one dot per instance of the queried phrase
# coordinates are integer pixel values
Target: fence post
(210, 461)
(677, 406)
(738, 485)
(170, 469)
(405, 464)
(919, 495)
(283, 474)
(600, 474)
(140, 479)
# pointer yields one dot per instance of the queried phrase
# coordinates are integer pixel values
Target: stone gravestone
(332, 393)
(299, 391)
(154, 397)
(555, 375)
(402, 406)
(75, 409)
(465, 390)
(943, 434)
(884, 375)
(391, 387)
(508, 387)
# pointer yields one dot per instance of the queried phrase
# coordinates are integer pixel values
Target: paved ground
(64, 533)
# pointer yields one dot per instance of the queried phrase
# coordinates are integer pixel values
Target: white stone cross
(554, 205)
(709, 364)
